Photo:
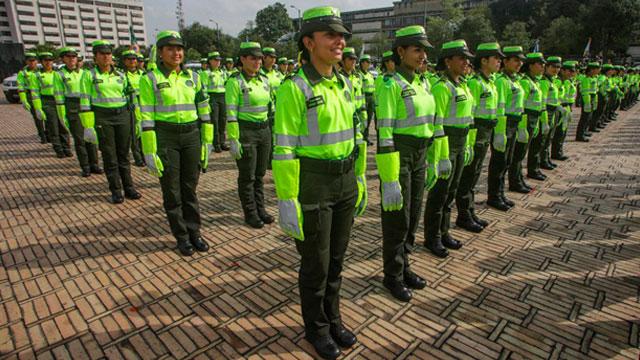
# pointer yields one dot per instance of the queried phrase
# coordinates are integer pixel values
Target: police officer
(388, 67)
(454, 139)
(291, 65)
(177, 137)
(282, 66)
(249, 103)
(141, 63)
(269, 69)
(551, 88)
(213, 81)
(228, 66)
(319, 174)
(588, 91)
(405, 109)
(485, 97)
(105, 118)
(44, 104)
(67, 89)
(349, 60)
(133, 75)
(24, 92)
(533, 106)
(531, 83)
(369, 87)
(567, 100)
(510, 127)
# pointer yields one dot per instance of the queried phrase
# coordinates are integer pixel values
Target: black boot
(413, 281)
(342, 336)
(253, 220)
(467, 223)
(398, 289)
(326, 347)
(185, 248)
(482, 222)
(265, 217)
(449, 242)
(436, 248)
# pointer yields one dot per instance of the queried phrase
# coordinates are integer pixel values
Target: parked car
(10, 89)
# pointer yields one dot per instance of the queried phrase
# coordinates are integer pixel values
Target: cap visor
(252, 52)
(425, 44)
(339, 28)
(468, 54)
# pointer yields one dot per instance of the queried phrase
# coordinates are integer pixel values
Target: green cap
(535, 57)
(169, 37)
(80, 57)
(514, 51)
(214, 55)
(203, 60)
(593, 65)
(282, 60)
(269, 51)
(250, 48)
(411, 35)
(228, 60)
(45, 56)
(456, 47)
(102, 46)
(129, 54)
(291, 62)
(554, 60)
(140, 57)
(349, 52)
(570, 65)
(365, 57)
(387, 55)
(67, 51)
(606, 67)
(489, 49)
(323, 18)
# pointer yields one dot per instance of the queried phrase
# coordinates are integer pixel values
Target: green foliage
(613, 24)
(444, 28)
(516, 34)
(357, 43)
(205, 39)
(272, 22)
(476, 27)
(562, 37)
(192, 55)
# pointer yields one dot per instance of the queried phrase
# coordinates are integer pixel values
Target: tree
(612, 24)
(516, 34)
(476, 28)
(356, 43)
(193, 55)
(272, 22)
(379, 44)
(443, 28)
(46, 47)
(563, 37)
(205, 39)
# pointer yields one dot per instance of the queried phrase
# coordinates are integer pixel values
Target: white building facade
(75, 23)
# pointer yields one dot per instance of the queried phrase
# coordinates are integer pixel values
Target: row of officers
(433, 134)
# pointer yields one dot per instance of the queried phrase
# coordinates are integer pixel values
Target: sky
(231, 15)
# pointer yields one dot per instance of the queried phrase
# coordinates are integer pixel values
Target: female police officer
(319, 163)
(405, 112)
(177, 137)
(454, 115)
(248, 99)
(104, 116)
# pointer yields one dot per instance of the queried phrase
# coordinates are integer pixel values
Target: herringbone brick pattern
(555, 277)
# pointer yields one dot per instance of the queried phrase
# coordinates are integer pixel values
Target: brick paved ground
(556, 277)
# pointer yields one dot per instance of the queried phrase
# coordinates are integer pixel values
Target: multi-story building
(74, 23)
(381, 23)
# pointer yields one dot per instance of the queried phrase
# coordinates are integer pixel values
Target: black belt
(254, 125)
(72, 100)
(331, 167)
(48, 97)
(484, 123)
(109, 111)
(513, 118)
(412, 141)
(177, 127)
(552, 107)
(566, 104)
(456, 131)
(532, 112)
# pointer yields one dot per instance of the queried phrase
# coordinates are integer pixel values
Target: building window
(4, 23)
(25, 13)
(24, 2)
(70, 26)
(29, 32)
(46, 6)
(48, 15)
(6, 33)
(89, 27)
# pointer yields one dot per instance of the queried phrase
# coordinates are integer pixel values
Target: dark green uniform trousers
(557, 144)
(534, 154)
(470, 174)
(87, 153)
(114, 140)
(520, 152)
(40, 126)
(554, 122)
(328, 198)
(499, 161)
(371, 111)
(583, 123)
(218, 117)
(57, 131)
(136, 141)
(437, 215)
(598, 114)
(255, 139)
(179, 149)
(399, 227)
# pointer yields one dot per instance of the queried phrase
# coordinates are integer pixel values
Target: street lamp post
(217, 30)
(299, 17)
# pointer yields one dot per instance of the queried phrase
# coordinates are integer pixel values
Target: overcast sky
(231, 15)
